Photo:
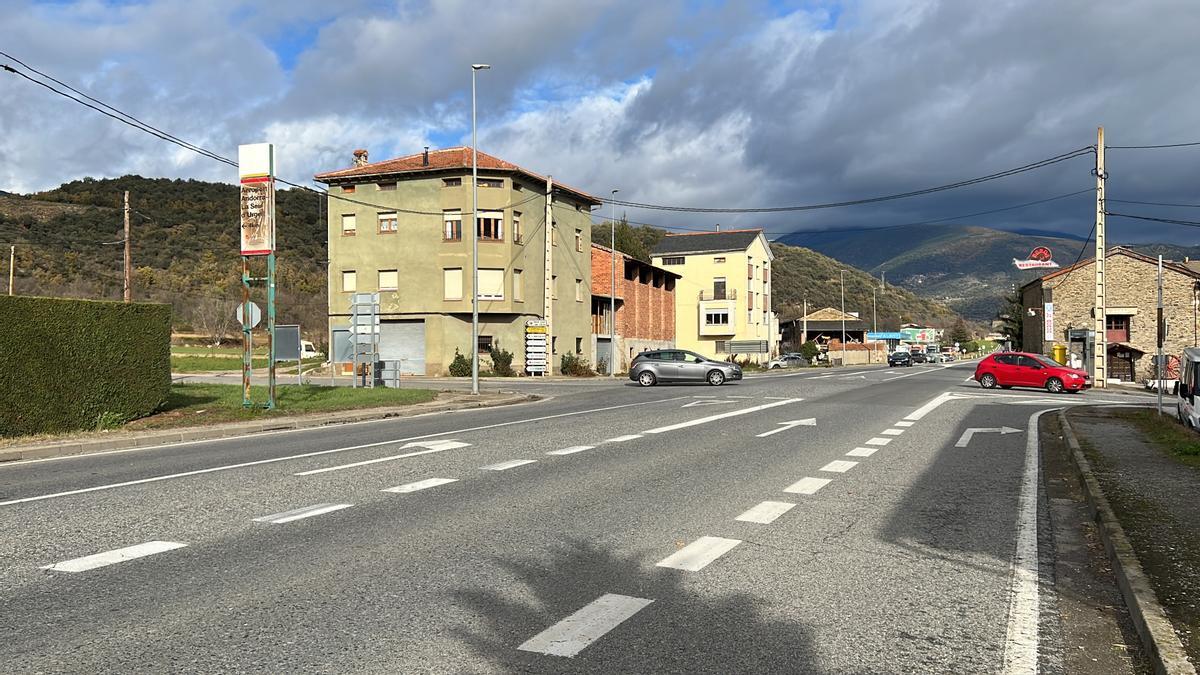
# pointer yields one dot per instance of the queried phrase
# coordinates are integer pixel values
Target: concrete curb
(1158, 636)
(145, 439)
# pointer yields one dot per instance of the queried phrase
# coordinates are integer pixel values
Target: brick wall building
(1132, 302)
(645, 302)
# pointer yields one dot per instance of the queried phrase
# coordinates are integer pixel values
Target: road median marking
(807, 485)
(505, 466)
(420, 485)
(892, 432)
(571, 450)
(574, 633)
(301, 513)
(839, 466)
(713, 418)
(862, 452)
(878, 440)
(97, 560)
(766, 512)
(622, 439)
(699, 554)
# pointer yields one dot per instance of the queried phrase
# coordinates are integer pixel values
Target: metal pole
(474, 241)
(128, 259)
(842, 274)
(1158, 368)
(874, 318)
(12, 259)
(246, 354)
(1100, 352)
(271, 330)
(612, 290)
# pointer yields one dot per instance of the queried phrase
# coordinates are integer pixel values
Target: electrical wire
(1130, 201)
(1151, 147)
(1072, 267)
(1169, 221)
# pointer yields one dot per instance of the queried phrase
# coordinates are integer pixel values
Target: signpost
(537, 346)
(256, 173)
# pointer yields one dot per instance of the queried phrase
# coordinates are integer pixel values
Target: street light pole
(475, 67)
(874, 320)
(612, 289)
(842, 275)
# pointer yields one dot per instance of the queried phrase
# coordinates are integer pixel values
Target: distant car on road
(678, 365)
(792, 360)
(919, 357)
(308, 350)
(1020, 369)
(899, 359)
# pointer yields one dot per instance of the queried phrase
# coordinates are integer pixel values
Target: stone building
(645, 303)
(1057, 309)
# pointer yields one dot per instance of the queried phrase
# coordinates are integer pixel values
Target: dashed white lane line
(574, 633)
(862, 452)
(892, 432)
(91, 562)
(904, 423)
(698, 554)
(297, 514)
(839, 466)
(807, 485)
(713, 418)
(510, 464)
(766, 512)
(622, 439)
(571, 450)
(420, 485)
(879, 441)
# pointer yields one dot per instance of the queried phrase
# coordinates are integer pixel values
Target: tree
(959, 333)
(634, 241)
(1009, 314)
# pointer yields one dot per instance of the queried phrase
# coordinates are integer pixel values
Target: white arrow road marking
(969, 433)
(96, 560)
(702, 402)
(713, 418)
(431, 447)
(574, 633)
(810, 422)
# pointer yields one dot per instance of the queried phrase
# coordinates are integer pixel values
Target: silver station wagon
(679, 365)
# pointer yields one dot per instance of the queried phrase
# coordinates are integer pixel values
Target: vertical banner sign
(537, 346)
(1048, 312)
(256, 170)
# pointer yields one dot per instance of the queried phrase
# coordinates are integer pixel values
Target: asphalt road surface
(809, 521)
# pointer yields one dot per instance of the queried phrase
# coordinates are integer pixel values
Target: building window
(388, 222)
(579, 240)
(452, 225)
(452, 283)
(1117, 328)
(553, 344)
(750, 299)
(721, 347)
(349, 281)
(349, 224)
(348, 189)
(485, 344)
(387, 187)
(554, 286)
(491, 226)
(517, 228)
(491, 182)
(716, 318)
(719, 290)
(673, 261)
(518, 286)
(579, 290)
(578, 345)
(718, 260)
(766, 275)
(517, 186)
(389, 280)
(451, 182)
(491, 284)
(749, 270)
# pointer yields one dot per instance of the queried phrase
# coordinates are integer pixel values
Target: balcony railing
(728, 294)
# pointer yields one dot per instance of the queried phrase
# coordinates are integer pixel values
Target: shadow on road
(683, 631)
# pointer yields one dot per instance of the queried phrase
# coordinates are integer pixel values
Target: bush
(502, 362)
(576, 366)
(809, 350)
(460, 366)
(80, 364)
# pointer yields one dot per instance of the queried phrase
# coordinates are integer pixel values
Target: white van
(1189, 379)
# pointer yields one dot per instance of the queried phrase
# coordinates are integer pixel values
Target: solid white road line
(698, 554)
(892, 432)
(510, 464)
(297, 514)
(571, 450)
(91, 562)
(571, 635)
(242, 465)
(622, 439)
(839, 466)
(862, 452)
(808, 485)
(713, 418)
(1021, 636)
(879, 441)
(419, 485)
(766, 512)
(904, 423)
(916, 415)
(352, 465)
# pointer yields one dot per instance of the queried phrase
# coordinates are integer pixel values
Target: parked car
(919, 357)
(1020, 369)
(899, 359)
(678, 365)
(791, 360)
(1185, 392)
(308, 350)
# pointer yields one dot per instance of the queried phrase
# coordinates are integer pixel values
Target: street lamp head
(615, 191)
(480, 66)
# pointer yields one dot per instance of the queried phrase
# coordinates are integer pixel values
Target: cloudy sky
(736, 104)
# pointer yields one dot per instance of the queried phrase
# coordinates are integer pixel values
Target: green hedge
(80, 364)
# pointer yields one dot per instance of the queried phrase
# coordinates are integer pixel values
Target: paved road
(810, 521)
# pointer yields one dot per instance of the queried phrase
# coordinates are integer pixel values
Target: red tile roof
(441, 160)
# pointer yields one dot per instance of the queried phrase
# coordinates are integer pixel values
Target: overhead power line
(1130, 201)
(1170, 221)
(1151, 147)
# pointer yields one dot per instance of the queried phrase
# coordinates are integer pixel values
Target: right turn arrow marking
(810, 422)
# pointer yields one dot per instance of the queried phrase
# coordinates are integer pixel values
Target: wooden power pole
(1100, 343)
(12, 263)
(128, 259)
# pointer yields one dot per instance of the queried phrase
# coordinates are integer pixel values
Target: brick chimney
(425, 157)
(360, 157)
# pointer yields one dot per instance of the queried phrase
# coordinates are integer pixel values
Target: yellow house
(723, 300)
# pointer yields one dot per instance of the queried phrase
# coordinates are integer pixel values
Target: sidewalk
(84, 443)
(1153, 495)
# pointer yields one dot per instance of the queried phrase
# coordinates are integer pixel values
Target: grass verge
(206, 364)
(1166, 432)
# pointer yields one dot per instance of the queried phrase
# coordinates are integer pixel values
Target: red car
(1020, 369)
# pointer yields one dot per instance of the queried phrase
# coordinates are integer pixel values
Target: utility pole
(1162, 333)
(475, 68)
(128, 259)
(804, 320)
(874, 319)
(1099, 312)
(12, 260)
(612, 288)
(842, 275)
(548, 278)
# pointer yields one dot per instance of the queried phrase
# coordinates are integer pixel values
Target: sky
(697, 103)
